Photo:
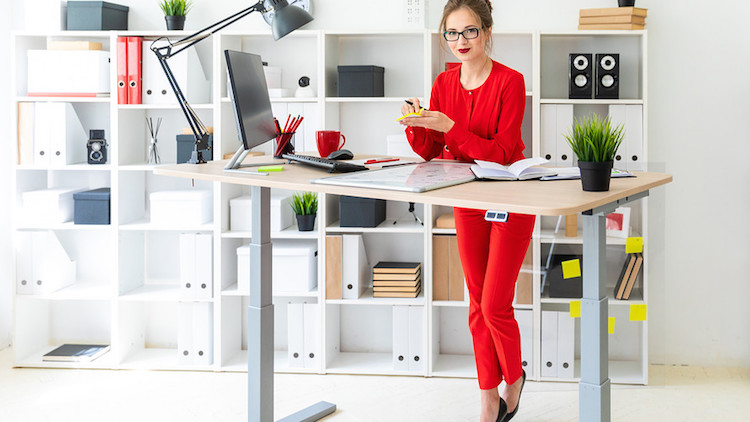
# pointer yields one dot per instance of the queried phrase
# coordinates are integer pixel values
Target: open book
(525, 169)
(569, 173)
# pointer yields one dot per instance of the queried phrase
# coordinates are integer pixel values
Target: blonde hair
(481, 9)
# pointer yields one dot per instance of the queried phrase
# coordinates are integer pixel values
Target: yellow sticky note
(634, 245)
(638, 312)
(571, 268)
(575, 308)
(611, 325)
(419, 113)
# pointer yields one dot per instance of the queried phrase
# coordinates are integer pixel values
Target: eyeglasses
(469, 34)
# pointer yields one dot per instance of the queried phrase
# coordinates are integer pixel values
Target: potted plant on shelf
(174, 12)
(594, 141)
(305, 206)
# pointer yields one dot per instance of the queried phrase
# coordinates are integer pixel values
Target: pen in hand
(412, 104)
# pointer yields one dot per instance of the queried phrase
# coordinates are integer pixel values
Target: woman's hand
(433, 120)
(413, 108)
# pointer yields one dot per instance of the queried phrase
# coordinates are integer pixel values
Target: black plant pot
(175, 23)
(626, 3)
(306, 223)
(595, 175)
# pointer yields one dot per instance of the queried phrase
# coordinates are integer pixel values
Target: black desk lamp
(285, 20)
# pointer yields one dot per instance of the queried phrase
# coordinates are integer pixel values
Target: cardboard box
(361, 212)
(181, 207)
(79, 72)
(294, 269)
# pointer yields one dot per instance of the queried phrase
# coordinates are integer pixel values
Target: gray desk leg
(594, 388)
(260, 361)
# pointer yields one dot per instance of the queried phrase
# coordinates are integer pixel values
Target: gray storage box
(91, 207)
(560, 287)
(361, 81)
(186, 145)
(361, 212)
(96, 16)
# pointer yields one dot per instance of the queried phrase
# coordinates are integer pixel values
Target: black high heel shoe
(510, 415)
(502, 411)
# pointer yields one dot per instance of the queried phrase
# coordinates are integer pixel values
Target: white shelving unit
(127, 292)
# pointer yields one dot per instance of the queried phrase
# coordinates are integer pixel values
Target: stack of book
(612, 18)
(628, 276)
(396, 279)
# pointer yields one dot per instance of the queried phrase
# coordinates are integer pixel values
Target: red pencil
(289, 116)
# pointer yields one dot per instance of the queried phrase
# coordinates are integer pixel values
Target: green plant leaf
(594, 138)
(175, 7)
(305, 203)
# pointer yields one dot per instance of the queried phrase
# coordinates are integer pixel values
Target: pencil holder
(283, 144)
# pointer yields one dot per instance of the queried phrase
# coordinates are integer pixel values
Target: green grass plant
(595, 138)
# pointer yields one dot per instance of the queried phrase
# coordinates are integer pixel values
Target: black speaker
(579, 78)
(607, 76)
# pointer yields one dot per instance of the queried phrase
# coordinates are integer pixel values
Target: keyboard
(333, 166)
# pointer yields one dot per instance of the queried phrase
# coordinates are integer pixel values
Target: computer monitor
(246, 87)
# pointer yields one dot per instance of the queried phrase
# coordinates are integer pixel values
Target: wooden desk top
(550, 198)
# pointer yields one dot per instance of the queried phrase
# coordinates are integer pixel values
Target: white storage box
(49, 206)
(295, 266)
(183, 207)
(273, 76)
(243, 268)
(240, 214)
(68, 72)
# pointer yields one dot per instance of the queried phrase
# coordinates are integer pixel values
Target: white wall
(698, 118)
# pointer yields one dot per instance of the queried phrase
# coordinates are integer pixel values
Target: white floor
(674, 394)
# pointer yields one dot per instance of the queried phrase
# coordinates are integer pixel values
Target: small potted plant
(594, 141)
(305, 205)
(174, 12)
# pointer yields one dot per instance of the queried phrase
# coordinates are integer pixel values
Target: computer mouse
(342, 154)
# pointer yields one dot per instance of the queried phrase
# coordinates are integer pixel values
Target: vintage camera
(97, 147)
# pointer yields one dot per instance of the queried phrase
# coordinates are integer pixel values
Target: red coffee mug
(328, 141)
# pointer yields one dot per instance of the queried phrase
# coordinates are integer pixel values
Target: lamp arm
(165, 52)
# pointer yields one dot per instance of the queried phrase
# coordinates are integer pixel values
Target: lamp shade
(287, 19)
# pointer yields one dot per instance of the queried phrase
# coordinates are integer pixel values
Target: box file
(25, 133)
(68, 73)
(557, 121)
(195, 334)
(333, 267)
(188, 73)
(135, 70)
(400, 338)
(312, 336)
(565, 345)
(630, 155)
(59, 137)
(296, 334)
(196, 266)
(549, 344)
(355, 275)
(447, 275)
(525, 318)
(42, 264)
(416, 335)
(181, 207)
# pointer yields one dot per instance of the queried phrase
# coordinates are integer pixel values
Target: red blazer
(487, 119)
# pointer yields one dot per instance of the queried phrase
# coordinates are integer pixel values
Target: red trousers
(491, 256)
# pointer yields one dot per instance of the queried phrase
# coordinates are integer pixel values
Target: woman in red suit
(475, 113)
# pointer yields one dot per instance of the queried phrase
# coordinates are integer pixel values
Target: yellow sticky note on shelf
(571, 268)
(575, 308)
(638, 312)
(611, 328)
(634, 245)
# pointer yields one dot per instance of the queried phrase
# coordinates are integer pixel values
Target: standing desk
(552, 198)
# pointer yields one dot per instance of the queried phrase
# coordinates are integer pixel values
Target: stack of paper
(397, 279)
(612, 18)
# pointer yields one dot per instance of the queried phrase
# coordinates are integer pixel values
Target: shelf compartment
(42, 325)
(454, 366)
